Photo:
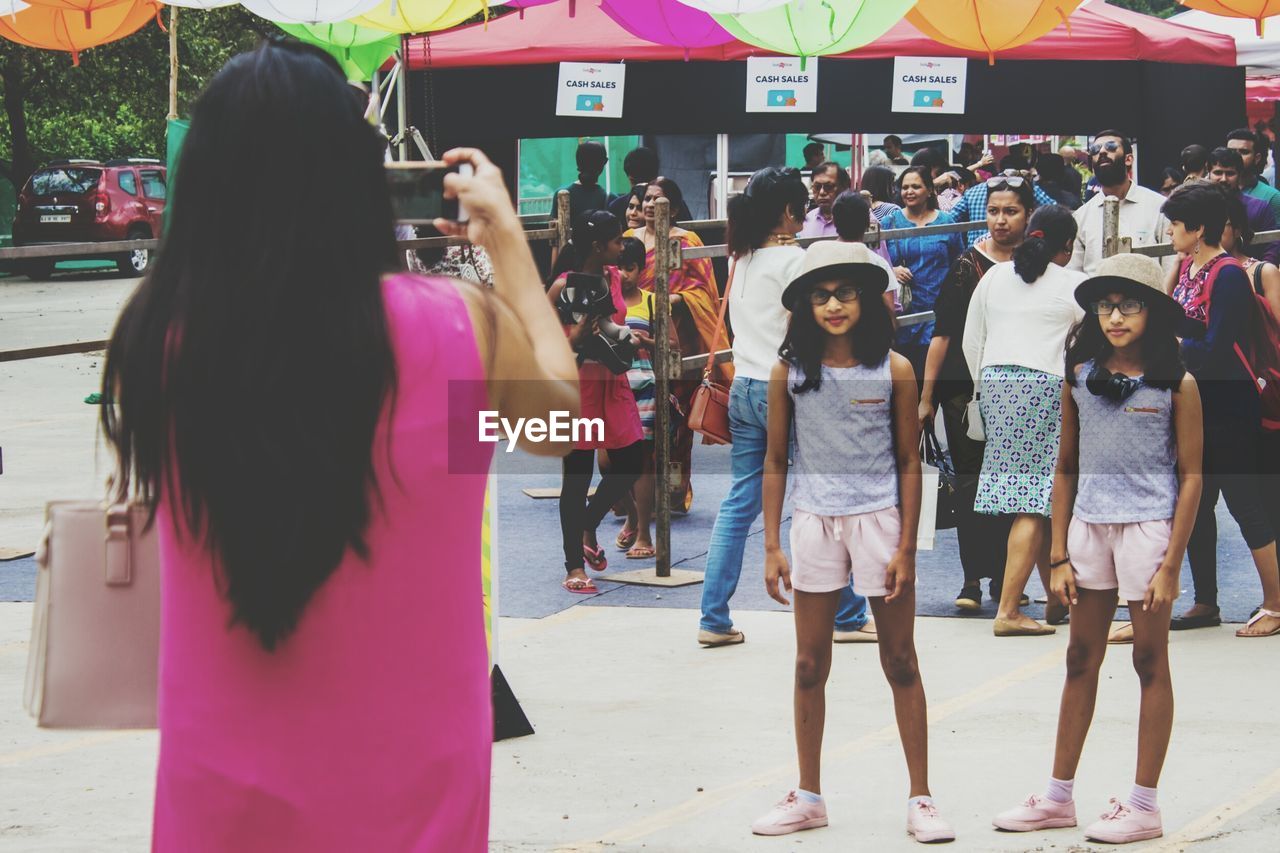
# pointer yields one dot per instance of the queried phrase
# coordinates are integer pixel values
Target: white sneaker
(924, 824)
(792, 814)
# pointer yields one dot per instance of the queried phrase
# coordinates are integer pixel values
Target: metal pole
(662, 266)
(722, 175)
(402, 98)
(1110, 226)
(173, 63)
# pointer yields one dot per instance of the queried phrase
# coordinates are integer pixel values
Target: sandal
(1262, 612)
(1211, 619)
(1121, 635)
(595, 558)
(642, 552)
(583, 586)
(626, 538)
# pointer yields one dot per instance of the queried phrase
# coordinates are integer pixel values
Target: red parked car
(80, 201)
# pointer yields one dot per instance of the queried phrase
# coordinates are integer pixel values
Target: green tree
(1159, 8)
(115, 102)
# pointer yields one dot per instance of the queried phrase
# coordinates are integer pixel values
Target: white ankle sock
(808, 796)
(914, 800)
(1060, 791)
(1143, 799)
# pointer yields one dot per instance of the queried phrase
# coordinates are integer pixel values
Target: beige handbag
(95, 635)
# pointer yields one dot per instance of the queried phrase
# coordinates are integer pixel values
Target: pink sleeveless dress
(370, 727)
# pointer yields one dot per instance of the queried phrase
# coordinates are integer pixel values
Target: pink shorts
(827, 550)
(1124, 556)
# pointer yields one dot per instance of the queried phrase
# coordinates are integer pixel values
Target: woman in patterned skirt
(1014, 340)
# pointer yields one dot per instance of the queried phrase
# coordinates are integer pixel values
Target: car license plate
(56, 217)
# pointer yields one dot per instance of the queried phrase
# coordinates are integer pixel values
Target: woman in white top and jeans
(1015, 340)
(763, 223)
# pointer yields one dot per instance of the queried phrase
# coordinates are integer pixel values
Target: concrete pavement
(645, 741)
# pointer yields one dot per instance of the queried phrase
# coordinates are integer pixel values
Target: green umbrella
(359, 50)
(816, 27)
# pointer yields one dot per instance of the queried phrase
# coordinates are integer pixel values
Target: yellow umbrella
(1258, 10)
(74, 30)
(989, 25)
(421, 16)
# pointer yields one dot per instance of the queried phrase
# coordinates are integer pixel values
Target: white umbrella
(308, 11)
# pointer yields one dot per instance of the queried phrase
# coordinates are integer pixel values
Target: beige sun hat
(1136, 276)
(831, 260)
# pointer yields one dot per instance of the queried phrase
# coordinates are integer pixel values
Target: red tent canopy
(546, 34)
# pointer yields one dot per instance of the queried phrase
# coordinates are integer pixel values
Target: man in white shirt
(1111, 156)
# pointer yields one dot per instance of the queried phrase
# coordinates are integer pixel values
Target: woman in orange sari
(695, 305)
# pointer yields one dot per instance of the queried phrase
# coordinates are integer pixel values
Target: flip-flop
(626, 538)
(1115, 638)
(581, 586)
(595, 558)
(1203, 620)
(642, 552)
(1262, 611)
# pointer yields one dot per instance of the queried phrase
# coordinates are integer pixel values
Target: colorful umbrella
(666, 22)
(308, 11)
(817, 27)
(732, 7)
(359, 50)
(86, 7)
(1257, 10)
(421, 16)
(60, 29)
(989, 25)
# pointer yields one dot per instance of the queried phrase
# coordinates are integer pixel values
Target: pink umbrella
(666, 22)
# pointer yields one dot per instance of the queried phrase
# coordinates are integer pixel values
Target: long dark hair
(251, 368)
(752, 217)
(1049, 230)
(590, 228)
(1161, 360)
(805, 342)
(878, 180)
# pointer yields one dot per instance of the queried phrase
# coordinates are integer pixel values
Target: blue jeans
(748, 424)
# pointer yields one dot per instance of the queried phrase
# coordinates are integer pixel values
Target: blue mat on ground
(531, 557)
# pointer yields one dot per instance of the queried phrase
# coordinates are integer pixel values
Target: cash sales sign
(779, 84)
(929, 84)
(591, 89)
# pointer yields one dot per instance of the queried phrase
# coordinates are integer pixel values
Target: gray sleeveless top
(1128, 455)
(844, 462)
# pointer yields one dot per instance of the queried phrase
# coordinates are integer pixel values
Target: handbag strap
(724, 306)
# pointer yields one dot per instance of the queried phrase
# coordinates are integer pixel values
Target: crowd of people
(1095, 409)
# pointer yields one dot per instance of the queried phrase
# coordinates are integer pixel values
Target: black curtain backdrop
(1165, 106)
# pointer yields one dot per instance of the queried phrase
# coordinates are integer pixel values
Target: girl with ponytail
(1014, 343)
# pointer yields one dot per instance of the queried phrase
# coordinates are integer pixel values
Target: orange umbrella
(989, 25)
(61, 29)
(1258, 10)
(88, 7)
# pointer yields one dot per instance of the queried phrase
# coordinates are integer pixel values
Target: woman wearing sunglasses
(1014, 342)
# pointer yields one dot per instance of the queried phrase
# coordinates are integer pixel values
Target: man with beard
(1225, 168)
(1111, 156)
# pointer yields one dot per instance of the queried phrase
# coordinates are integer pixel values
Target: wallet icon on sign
(927, 98)
(590, 103)
(780, 98)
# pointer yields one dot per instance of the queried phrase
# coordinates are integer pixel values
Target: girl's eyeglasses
(844, 293)
(1128, 308)
(1014, 181)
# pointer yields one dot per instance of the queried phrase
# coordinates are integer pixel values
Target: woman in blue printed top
(920, 263)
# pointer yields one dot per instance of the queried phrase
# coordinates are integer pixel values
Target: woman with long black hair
(1014, 340)
(305, 418)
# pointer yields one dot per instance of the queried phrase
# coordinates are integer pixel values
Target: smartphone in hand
(417, 191)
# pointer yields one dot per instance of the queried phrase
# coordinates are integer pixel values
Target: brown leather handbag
(95, 635)
(709, 407)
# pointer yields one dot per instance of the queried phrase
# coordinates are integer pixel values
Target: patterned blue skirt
(1022, 414)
